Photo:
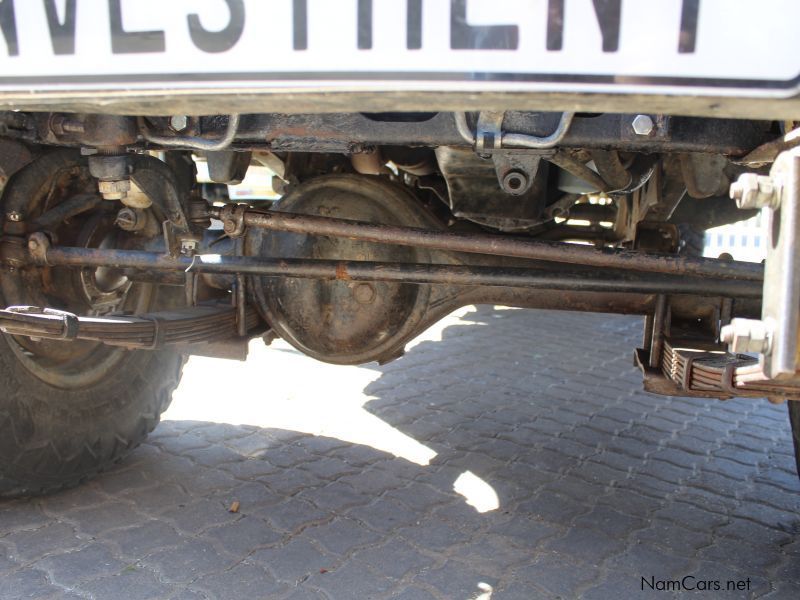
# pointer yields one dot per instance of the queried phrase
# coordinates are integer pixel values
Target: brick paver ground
(516, 459)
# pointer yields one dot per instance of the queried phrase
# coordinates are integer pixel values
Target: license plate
(719, 47)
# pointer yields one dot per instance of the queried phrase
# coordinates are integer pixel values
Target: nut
(643, 125)
(179, 122)
(747, 335)
(114, 190)
(752, 191)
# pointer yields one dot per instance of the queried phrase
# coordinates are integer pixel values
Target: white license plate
(722, 47)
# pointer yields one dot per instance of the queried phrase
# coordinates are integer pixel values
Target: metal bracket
(516, 171)
(69, 320)
(781, 305)
(775, 336)
(489, 135)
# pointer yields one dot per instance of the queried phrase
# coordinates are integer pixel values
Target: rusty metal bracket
(70, 321)
(489, 135)
(159, 332)
(516, 171)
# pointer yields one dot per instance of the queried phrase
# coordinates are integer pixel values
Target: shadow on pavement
(516, 458)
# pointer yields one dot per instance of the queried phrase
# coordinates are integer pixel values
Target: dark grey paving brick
(133, 583)
(246, 580)
(188, 561)
(294, 562)
(54, 537)
(144, 538)
(70, 568)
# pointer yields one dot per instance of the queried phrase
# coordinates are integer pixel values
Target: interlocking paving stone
(591, 484)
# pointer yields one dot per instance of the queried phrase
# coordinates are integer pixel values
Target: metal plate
(602, 46)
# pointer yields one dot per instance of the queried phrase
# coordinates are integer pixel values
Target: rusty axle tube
(460, 275)
(236, 219)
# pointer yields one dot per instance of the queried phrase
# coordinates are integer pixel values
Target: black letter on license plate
(300, 24)
(414, 24)
(464, 36)
(132, 42)
(609, 16)
(8, 24)
(689, 17)
(364, 24)
(62, 35)
(219, 41)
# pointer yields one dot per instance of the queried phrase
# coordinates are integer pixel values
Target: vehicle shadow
(509, 454)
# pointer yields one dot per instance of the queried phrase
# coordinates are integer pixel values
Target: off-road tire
(52, 438)
(69, 410)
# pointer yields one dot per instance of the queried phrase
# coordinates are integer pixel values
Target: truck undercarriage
(385, 223)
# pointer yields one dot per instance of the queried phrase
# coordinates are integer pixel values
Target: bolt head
(33, 244)
(14, 217)
(643, 125)
(752, 191)
(179, 122)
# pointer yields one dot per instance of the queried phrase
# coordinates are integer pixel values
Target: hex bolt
(643, 125)
(114, 190)
(752, 191)
(747, 335)
(14, 217)
(179, 122)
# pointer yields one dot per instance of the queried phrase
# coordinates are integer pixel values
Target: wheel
(69, 410)
(794, 420)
